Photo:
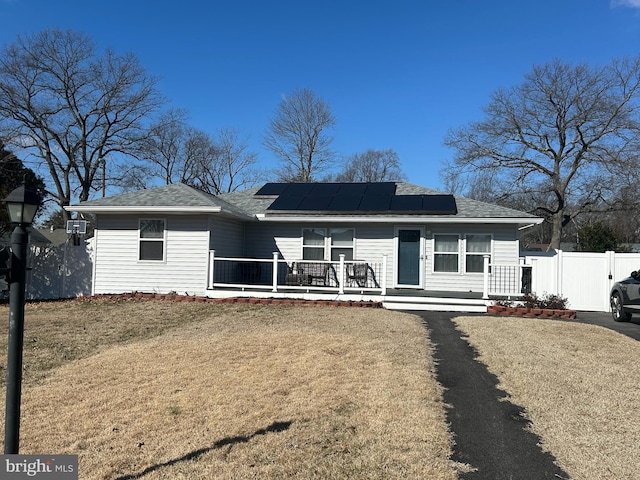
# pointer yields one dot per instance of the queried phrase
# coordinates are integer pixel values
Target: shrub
(549, 301)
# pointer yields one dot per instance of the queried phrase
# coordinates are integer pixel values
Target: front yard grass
(161, 390)
(578, 384)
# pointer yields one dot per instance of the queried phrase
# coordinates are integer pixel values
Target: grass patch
(172, 390)
(578, 384)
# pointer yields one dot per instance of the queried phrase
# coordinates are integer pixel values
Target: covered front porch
(354, 280)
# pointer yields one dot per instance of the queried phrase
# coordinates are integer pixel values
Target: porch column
(212, 258)
(384, 275)
(341, 275)
(485, 269)
(275, 272)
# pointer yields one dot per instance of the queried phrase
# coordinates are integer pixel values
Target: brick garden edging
(530, 312)
(245, 300)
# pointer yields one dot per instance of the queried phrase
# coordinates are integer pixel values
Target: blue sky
(397, 74)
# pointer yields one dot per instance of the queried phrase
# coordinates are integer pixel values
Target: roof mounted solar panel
(439, 205)
(325, 189)
(345, 203)
(384, 188)
(353, 198)
(315, 202)
(375, 203)
(352, 189)
(271, 189)
(286, 202)
(406, 203)
(300, 189)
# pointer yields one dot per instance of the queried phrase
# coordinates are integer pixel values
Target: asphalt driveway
(604, 319)
(490, 432)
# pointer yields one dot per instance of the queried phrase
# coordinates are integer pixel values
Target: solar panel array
(353, 197)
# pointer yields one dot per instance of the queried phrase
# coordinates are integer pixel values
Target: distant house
(340, 240)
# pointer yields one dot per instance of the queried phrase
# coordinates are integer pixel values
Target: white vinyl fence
(584, 278)
(59, 271)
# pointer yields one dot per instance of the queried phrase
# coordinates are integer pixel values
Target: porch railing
(276, 274)
(506, 280)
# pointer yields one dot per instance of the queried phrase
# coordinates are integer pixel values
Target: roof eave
(143, 209)
(398, 218)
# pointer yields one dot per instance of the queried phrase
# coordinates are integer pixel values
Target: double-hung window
(328, 243)
(313, 243)
(445, 253)
(341, 243)
(151, 238)
(477, 247)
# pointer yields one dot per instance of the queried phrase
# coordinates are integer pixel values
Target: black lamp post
(22, 205)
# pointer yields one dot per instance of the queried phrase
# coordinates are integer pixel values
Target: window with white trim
(446, 253)
(478, 245)
(151, 239)
(313, 243)
(341, 242)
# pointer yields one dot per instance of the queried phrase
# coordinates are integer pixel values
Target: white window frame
(459, 270)
(323, 246)
(342, 247)
(328, 243)
(480, 254)
(163, 239)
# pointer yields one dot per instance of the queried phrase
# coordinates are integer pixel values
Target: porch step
(446, 304)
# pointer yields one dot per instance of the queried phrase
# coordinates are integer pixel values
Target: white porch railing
(277, 274)
(506, 280)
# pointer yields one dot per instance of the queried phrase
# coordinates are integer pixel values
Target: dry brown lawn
(578, 383)
(160, 390)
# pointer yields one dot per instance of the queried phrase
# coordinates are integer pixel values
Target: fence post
(611, 278)
(485, 270)
(275, 272)
(384, 275)
(341, 275)
(559, 272)
(212, 258)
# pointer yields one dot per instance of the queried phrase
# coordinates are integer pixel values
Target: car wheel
(617, 309)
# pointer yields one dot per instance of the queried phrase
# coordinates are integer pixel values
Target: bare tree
(554, 137)
(175, 152)
(298, 137)
(72, 107)
(372, 166)
(231, 168)
(164, 154)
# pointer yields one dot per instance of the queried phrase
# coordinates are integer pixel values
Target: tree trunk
(556, 230)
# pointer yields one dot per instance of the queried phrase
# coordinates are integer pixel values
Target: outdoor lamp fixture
(22, 205)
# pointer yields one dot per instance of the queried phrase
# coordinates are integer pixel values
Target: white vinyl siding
(227, 236)
(505, 251)
(118, 270)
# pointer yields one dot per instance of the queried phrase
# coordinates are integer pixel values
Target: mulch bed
(250, 300)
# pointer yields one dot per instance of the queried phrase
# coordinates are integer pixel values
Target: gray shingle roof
(244, 203)
(174, 195)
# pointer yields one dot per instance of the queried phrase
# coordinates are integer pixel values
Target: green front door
(409, 258)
